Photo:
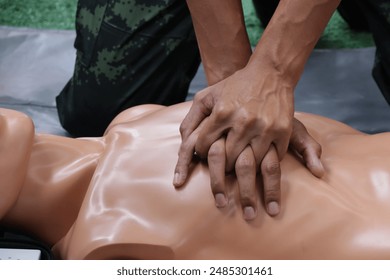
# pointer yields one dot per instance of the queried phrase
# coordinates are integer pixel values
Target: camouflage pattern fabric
(129, 52)
(132, 52)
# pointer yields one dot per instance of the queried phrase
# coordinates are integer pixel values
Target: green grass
(60, 14)
(336, 35)
(48, 14)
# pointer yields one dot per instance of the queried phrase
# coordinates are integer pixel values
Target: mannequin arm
(16, 139)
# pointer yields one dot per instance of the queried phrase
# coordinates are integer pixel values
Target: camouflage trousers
(132, 52)
(129, 52)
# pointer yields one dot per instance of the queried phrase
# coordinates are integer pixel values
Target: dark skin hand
(246, 169)
(258, 120)
(247, 111)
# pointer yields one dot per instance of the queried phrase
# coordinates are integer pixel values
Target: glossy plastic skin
(112, 197)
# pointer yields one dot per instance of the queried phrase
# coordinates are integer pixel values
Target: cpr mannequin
(112, 197)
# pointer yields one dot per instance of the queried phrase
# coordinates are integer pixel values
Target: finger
(260, 146)
(186, 154)
(236, 142)
(307, 147)
(216, 161)
(213, 130)
(281, 137)
(209, 134)
(270, 170)
(200, 109)
(281, 145)
(246, 176)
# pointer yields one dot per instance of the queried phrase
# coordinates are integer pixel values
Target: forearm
(221, 35)
(291, 36)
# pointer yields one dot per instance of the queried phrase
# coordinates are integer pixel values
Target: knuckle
(282, 128)
(264, 126)
(245, 163)
(247, 197)
(317, 148)
(183, 129)
(285, 127)
(271, 169)
(272, 194)
(247, 119)
(185, 149)
(204, 99)
(199, 96)
(222, 113)
(216, 151)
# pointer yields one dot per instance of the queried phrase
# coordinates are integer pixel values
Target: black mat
(36, 64)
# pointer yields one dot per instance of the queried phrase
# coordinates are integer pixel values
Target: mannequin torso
(112, 197)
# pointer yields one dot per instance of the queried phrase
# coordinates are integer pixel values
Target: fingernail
(249, 213)
(317, 169)
(220, 200)
(273, 208)
(176, 179)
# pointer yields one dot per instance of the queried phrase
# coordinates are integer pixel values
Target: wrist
(290, 37)
(263, 67)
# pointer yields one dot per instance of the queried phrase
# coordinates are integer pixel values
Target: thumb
(308, 148)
